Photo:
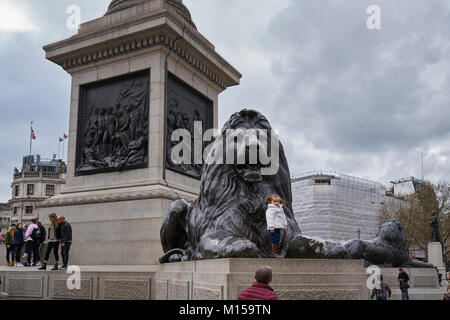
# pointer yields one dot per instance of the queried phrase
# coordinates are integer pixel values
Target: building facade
(37, 181)
(337, 207)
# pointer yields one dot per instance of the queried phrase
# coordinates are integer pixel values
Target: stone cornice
(114, 197)
(87, 49)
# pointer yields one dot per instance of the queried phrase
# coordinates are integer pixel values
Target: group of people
(32, 237)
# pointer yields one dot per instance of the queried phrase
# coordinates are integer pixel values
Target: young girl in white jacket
(276, 221)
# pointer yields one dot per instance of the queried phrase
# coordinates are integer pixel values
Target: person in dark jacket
(41, 241)
(403, 279)
(54, 239)
(66, 240)
(18, 244)
(260, 290)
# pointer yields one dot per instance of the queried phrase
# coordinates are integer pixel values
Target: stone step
(318, 294)
(280, 265)
(419, 278)
(307, 278)
(419, 294)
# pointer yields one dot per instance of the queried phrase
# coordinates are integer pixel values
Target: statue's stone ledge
(117, 195)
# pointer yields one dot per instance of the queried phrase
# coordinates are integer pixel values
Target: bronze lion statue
(388, 249)
(228, 218)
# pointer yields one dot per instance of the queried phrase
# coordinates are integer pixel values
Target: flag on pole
(61, 139)
(65, 136)
(54, 156)
(33, 136)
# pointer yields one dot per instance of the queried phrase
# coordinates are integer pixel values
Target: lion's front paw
(239, 249)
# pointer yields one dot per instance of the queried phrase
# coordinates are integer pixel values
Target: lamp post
(359, 234)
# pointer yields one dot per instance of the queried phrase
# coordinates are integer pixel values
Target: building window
(16, 191)
(50, 190)
(29, 210)
(323, 181)
(30, 189)
(15, 211)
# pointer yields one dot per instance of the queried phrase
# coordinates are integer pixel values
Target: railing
(31, 174)
(39, 175)
(50, 175)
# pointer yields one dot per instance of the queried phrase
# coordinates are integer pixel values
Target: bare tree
(414, 213)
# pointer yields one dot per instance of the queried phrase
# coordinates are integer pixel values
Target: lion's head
(391, 232)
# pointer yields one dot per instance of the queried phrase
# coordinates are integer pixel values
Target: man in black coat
(403, 279)
(66, 240)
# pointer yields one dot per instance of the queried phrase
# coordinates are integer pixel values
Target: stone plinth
(116, 215)
(435, 257)
(292, 279)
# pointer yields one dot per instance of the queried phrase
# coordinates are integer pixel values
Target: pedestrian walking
(54, 239)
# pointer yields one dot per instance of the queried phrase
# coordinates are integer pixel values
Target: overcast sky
(362, 102)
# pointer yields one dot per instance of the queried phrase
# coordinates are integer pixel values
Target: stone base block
(292, 279)
(96, 283)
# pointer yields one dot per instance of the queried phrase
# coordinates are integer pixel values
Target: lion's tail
(165, 258)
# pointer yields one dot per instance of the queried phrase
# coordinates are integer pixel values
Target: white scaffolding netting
(334, 206)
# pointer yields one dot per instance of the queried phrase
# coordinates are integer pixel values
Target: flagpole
(31, 133)
(59, 146)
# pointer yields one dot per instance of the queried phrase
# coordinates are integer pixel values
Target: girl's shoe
(55, 268)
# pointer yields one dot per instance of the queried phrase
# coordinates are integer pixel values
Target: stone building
(337, 207)
(38, 180)
(4, 218)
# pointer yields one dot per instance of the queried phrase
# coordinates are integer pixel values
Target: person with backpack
(18, 244)
(33, 236)
(54, 238)
(382, 292)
